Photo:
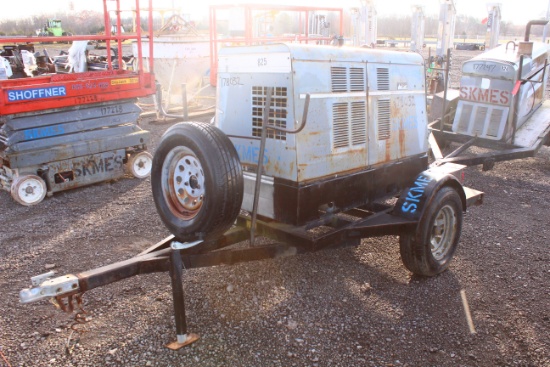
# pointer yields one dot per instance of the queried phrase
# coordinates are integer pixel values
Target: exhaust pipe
(528, 27)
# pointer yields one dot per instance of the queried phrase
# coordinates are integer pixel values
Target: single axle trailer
(313, 147)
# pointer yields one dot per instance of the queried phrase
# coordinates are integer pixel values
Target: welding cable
(4, 358)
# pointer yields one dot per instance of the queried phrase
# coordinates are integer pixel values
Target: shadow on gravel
(332, 306)
(106, 212)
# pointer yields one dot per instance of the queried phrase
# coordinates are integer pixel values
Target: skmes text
(98, 166)
(493, 96)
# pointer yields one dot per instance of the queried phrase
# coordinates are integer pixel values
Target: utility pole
(493, 25)
(545, 32)
(446, 34)
(369, 18)
(417, 28)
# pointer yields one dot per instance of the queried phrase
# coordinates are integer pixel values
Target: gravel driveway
(354, 306)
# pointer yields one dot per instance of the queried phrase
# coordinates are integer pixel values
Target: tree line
(90, 22)
(467, 27)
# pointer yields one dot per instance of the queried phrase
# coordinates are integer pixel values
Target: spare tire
(197, 182)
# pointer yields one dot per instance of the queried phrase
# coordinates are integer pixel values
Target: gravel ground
(345, 307)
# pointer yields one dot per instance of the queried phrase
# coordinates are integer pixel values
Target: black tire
(429, 251)
(203, 201)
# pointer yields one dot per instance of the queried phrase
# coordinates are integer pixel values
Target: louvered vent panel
(339, 79)
(494, 123)
(383, 78)
(479, 122)
(465, 116)
(357, 79)
(358, 123)
(277, 113)
(383, 119)
(340, 125)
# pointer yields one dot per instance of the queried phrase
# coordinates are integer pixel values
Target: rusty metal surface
(81, 171)
(191, 338)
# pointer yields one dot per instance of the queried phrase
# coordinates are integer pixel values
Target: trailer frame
(169, 255)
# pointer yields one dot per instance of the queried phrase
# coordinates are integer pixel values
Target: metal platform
(526, 142)
(535, 129)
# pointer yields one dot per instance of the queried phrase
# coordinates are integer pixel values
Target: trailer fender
(414, 200)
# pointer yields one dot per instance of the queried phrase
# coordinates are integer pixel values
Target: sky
(515, 11)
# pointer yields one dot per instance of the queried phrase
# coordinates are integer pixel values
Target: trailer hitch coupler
(45, 288)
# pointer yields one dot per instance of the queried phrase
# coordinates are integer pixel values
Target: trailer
(64, 130)
(500, 108)
(313, 147)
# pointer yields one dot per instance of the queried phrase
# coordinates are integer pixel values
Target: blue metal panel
(240, 103)
(39, 138)
(335, 137)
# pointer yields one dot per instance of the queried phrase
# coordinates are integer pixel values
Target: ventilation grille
(465, 117)
(494, 123)
(349, 124)
(480, 120)
(383, 119)
(383, 78)
(358, 123)
(277, 112)
(356, 79)
(345, 79)
(481, 115)
(339, 79)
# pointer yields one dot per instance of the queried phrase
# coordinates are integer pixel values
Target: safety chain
(80, 319)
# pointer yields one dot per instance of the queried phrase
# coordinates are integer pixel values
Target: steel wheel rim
(142, 165)
(443, 232)
(30, 190)
(183, 182)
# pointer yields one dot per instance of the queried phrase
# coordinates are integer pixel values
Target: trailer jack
(64, 290)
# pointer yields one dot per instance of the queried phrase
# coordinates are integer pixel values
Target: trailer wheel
(429, 251)
(140, 164)
(28, 190)
(197, 182)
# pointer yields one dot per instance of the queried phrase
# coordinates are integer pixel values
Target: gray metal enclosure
(367, 112)
(487, 108)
